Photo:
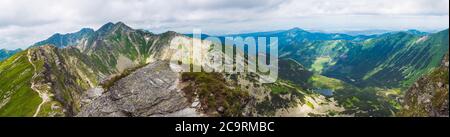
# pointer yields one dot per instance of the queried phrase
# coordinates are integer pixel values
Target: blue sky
(24, 22)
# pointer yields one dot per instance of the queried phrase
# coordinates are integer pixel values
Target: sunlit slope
(393, 60)
(16, 96)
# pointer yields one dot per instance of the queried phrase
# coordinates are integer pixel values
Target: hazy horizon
(26, 22)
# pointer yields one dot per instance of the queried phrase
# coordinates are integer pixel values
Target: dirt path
(42, 95)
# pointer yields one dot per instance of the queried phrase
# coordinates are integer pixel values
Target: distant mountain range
(45, 80)
(4, 53)
(64, 40)
(394, 59)
(378, 32)
(120, 71)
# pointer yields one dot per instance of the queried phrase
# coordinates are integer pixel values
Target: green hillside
(393, 60)
(16, 96)
(390, 60)
(62, 75)
(357, 101)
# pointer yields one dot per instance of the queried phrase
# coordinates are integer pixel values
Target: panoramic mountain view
(390, 62)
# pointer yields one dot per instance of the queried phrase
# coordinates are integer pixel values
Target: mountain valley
(118, 71)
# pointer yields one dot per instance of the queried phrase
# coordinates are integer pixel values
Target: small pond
(325, 92)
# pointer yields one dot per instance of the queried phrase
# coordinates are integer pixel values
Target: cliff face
(429, 95)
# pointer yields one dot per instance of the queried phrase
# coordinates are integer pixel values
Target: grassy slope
(358, 101)
(394, 60)
(75, 72)
(283, 94)
(15, 86)
(213, 92)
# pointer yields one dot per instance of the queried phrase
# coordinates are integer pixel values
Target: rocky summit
(150, 91)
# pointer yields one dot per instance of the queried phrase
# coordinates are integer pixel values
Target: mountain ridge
(64, 74)
(428, 97)
(81, 74)
(4, 53)
(64, 40)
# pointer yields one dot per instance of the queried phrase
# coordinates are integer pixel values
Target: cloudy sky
(24, 22)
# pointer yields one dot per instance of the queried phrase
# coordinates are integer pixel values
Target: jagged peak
(86, 30)
(56, 35)
(122, 25)
(82, 31)
(111, 27)
(297, 29)
(106, 27)
(170, 33)
(62, 40)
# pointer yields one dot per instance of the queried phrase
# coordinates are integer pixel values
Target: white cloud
(367, 7)
(23, 22)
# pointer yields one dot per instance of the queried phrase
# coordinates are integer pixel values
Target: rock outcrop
(429, 95)
(150, 91)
